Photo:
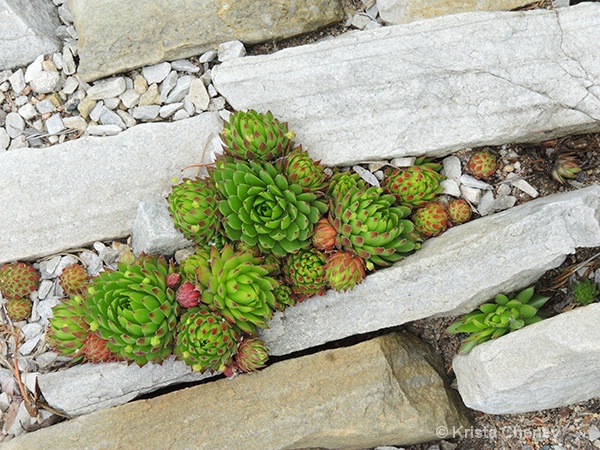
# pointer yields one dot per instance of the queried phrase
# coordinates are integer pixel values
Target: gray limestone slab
(452, 274)
(27, 30)
(89, 189)
(430, 87)
(151, 31)
(88, 387)
(553, 363)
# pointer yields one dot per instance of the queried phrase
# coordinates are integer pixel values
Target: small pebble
(525, 187)
(473, 182)
(451, 187)
(183, 65)
(112, 103)
(156, 73)
(27, 111)
(366, 175)
(47, 267)
(104, 130)
(54, 124)
(97, 111)
(208, 56)
(112, 87)
(452, 168)
(180, 90)
(181, 114)
(92, 262)
(14, 124)
(45, 288)
(4, 139)
(127, 118)
(17, 81)
(406, 161)
(145, 112)
(198, 95)
(150, 97)
(45, 106)
(168, 110)
(231, 50)
(167, 86)
(75, 123)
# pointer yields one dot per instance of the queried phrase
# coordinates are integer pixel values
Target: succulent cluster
(271, 227)
(565, 167)
(585, 292)
(492, 320)
(17, 281)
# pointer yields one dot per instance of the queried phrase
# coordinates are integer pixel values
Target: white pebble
(75, 123)
(181, 114)
(504, 189)
(107, 89)
(198, 95)
(27, 111)
(180, 90)
(45, 288)
(4, 139)
(17, 81)
(451, 187)
(168, 110)
(34, 69)
(54, 124)
(145, 112)
(156, 73)
(46, 82)
(109, 117)
(183, 65)
(406, 161)
(29, 345)
(525, 187)
(21, 100)
(45, 106)
(366, 175)
(486, 204)
(473, 182)
(14, 124)
(96, 112)
(167, 85)
(208, 56)
(32, 330)
(104, 130)
(231, 50)
(189, 106)
(127, 118)
(69, 66)
(92, 262)
(452, 169)
(130, 98)
(48, 267)
(112, 103)
(472, 195)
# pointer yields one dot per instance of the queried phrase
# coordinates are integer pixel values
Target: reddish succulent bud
(459, 211)
(96, 351)
(74, 280)
(431, 219)
(482, 164)
(18, 280)
(188, 295)
(324, 238)
(344, 270)
(19, 308)
(252, 354)
(173, 280)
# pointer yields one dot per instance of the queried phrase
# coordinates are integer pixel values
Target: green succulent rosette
(301, 169)
(188, 266)
(134, 310)
(342, 182)
(369, 225)
(67, 329)
(252, 354)
(585, 292)
(255, 136)
(413, 186)
(305, 273)
(194, 208)
(492, 320)
(284, 297)
(238, 285)
(262, 208)
(344, 271)
(205, 340)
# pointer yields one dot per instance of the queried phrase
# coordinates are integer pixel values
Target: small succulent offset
(301, 169)
(459, 211)
(194, 208)
(565, 167)
(585, 292)
(18, 308)
(239, 287)
(369, 225)
(493, 320)
(74, 280)
(134, 310)
(344, 270)
(414, 186)
(305, 273)
(68, 329)
(252, 354)
(18, 280)
(254, 136)
(431, 219)
(205, 340)
(482, 164)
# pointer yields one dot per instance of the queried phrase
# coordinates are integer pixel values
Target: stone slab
(384, 391)
(88, 190)
(27, 30)
(85, 388)
(151, 31)
(550, 364)
(395, 12)
(452, 274)
(432, 86)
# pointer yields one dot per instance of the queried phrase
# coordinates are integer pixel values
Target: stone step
(452, 274)
(431, 86)
(151, 31)
(550, 364)
(27, 30)
(384, 391)
(89, 189)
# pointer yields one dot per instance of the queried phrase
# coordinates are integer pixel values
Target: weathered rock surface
(89, 189)
(151, 31)
(403, 11)
(550, 364)
(86, 388)
(386, 390)
(451, 274)
(27, 30)
(432, 86)
(153, 231)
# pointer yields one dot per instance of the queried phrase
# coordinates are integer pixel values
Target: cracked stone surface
(432, 86)
(549, 364)
(86, 388)
(89, 189)
(151, 31)
(387, 390)
(27, 30)
(451, 275)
